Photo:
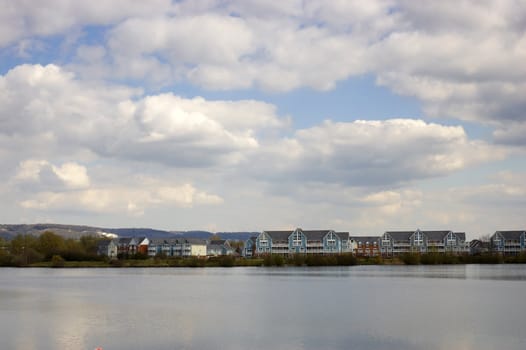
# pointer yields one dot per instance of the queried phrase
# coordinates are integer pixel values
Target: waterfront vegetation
(51, 250)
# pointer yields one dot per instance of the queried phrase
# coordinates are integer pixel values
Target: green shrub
(410, 258)
(346, 259)
(57, 261)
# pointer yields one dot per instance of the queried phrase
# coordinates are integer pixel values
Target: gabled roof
(279, 235)
(310, 235)
(125, 240)
(400, 235)
(477, 243)
(195, 241)
(315, 235)
(511, 235)
(435, 235)
(163, 241)
(461, 235)
(218, 242)
(141, 239)
(343, 235)
(365, 239)
(105, 243)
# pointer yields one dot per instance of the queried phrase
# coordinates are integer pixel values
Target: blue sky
(354, 116)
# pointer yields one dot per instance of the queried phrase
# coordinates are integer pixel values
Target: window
(297, 239)
(418, 238)
(331, 240)
(451, 239)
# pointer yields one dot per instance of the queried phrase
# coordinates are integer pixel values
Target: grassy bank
(57, 261)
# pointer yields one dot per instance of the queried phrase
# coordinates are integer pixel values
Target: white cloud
(73, 175)
(133, 200)
(462, 60)
(48, 110)
(44, 174)
(21, 19)
(365, 153)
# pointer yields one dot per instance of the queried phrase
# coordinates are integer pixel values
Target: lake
(360, 307)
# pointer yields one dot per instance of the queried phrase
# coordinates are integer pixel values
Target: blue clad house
(249, 246)
(301, 241)
(219, 247)
(509, 242)
(400, 242)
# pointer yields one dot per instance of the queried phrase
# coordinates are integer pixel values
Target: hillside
(77, 231)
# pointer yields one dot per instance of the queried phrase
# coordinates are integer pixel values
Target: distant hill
(237, 236)
(67, 231)
(77, 231)
(234, 236)
(137, 232)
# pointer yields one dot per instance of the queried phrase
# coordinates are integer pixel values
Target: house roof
(477, 243)
(511, 235)
(141, 239)
(125, 240)
(365, 239)
(195, 241)
(461, 235)
(400, 235)
(315, 235)
(435, 235)
(218, 242)
(343, 235)
(161, 241)
(105, 243)
(279, 235)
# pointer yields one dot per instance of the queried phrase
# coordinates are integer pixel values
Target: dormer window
(331, 240)
(296, 239)
(418, 239)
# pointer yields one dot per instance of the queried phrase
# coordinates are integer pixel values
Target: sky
(250, 115)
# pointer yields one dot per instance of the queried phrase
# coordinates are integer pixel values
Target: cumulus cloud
(133, 199)
(46, 109)
(462, 60)
(22, 19)
(44, 174)
(363, 153)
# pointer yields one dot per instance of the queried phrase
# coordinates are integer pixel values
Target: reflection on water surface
(360, 307)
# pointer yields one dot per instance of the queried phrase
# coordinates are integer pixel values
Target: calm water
(373, 307)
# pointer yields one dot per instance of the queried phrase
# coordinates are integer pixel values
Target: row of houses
(299, 241)
(391, 243)
(173, 247)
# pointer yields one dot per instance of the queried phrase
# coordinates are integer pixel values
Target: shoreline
(278, 261)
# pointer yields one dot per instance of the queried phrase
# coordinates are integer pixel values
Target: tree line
(24, 250)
